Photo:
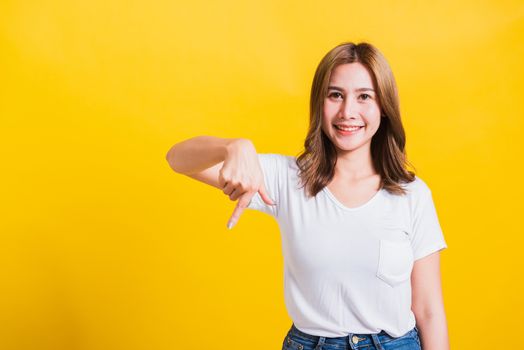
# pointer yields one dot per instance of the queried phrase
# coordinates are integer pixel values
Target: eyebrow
(341, 89)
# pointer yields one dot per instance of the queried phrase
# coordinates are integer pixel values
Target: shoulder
(417, 191)
(277, 160)
(275, 156)
(417, 186)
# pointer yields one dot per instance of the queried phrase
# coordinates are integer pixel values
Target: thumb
(265, 196)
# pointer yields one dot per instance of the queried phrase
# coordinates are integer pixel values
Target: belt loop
(351, 346)
(320, 343)
(374, 337)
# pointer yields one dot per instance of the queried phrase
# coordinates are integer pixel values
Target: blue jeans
(298, 340)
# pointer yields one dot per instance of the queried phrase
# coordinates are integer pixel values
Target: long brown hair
(317, 161)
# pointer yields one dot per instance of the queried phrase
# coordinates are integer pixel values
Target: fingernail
(229, 225)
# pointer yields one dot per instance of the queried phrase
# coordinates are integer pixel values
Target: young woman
(360, 232)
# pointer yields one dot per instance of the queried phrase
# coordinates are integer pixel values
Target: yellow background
(103, 246)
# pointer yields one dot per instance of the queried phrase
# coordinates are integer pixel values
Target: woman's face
(351, 101)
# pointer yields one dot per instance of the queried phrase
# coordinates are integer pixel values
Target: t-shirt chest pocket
(395, 261)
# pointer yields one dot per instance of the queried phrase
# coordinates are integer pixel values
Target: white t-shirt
(347, 270)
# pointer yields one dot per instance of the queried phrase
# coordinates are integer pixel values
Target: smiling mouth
(347, 129)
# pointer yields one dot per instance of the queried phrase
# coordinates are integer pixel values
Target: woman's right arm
(227, 164)
(199, 153)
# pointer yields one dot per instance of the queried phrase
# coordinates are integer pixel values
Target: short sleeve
(427, 236)
(272, 165)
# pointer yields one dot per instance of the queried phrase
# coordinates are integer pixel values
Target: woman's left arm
(427, 303)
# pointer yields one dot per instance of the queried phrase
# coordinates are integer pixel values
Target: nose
(349, 108)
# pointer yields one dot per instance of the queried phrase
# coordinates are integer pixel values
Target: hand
(241, 177)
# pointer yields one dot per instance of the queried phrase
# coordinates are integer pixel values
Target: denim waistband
(356, 340)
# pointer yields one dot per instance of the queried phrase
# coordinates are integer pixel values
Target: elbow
(429, 313)
(170, 160)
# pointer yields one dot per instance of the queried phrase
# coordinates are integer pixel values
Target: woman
(360, 232)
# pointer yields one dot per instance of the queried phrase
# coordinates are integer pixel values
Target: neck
(355, 165)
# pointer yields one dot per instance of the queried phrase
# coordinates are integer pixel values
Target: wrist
(234, 144)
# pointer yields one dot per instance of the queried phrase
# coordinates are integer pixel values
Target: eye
(365, 95)
(334, 93)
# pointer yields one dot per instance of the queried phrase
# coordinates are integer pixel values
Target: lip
(347, 125)
(347, 133)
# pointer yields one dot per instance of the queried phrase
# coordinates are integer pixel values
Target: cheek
(372, 109)
(329, 109)
(373, 114)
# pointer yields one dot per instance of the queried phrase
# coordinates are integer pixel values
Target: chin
(346, 150)
(348, 147)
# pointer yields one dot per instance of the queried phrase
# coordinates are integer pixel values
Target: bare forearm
(433, 332)
(198, 153)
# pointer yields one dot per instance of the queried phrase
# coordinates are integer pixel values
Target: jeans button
(354, 339)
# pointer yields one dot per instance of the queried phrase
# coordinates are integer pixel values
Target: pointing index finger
(242, 203)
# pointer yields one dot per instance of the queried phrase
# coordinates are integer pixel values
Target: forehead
(351, 75)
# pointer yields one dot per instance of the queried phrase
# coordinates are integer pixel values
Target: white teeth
(352, 128)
